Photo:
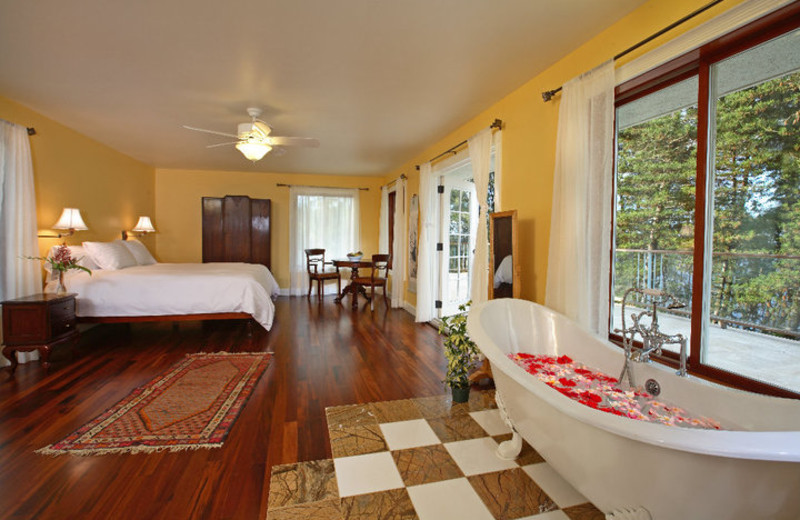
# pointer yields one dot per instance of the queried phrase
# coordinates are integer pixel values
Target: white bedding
(167, 289)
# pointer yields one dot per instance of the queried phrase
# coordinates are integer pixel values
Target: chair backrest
(315, 260)
(380, 263)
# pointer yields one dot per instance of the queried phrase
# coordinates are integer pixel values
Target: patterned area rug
(191, 406)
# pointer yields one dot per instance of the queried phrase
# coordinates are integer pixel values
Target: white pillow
(504, 272)
(77, 252)
(110, 255)
(139, 252)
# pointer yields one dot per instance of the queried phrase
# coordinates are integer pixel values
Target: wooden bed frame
(264, 247)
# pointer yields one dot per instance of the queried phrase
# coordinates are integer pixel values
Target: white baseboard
(410, 308)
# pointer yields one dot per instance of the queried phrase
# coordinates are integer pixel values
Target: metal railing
(671, 270)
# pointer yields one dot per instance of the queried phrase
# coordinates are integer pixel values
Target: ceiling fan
(254, 138)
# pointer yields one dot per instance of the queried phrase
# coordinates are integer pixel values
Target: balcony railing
(749, 291)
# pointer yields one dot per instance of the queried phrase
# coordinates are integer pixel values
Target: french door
(456, 236)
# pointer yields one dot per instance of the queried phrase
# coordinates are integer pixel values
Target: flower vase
(61, 289)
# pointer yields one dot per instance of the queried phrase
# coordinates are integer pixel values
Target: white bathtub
(749, 471)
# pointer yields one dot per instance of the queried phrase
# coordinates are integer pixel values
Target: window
(325, 218)
(708, 201)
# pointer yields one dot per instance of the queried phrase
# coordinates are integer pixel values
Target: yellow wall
(71, 170)
(178, 213)
(530, 129)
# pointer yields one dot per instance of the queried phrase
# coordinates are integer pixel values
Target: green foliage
(460, 351)
(756, 203)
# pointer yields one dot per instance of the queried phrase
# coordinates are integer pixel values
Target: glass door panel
(459, 204)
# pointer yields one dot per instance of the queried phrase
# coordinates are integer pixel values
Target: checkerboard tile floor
(426, 459)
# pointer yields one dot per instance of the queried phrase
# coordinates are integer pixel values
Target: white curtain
(426, 259)
(480, 152)
(399, 246)
(325, 218)
(383, 222)
(580, 227)
(18, 228)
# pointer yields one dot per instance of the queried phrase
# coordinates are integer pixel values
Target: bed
(169, 291)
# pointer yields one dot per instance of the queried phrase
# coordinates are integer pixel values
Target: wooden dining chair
(317, 270)
(379, 263)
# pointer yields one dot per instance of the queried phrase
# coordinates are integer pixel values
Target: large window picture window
(708, 204)
(326, 218)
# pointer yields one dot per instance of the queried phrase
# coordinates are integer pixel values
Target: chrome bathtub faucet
(652, 339)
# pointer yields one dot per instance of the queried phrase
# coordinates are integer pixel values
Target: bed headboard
(237, 228)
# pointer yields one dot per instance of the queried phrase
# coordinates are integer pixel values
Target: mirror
(504, 277)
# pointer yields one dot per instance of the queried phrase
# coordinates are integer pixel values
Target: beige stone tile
(394, 411)
(528, 455)
(481, 400)
(357, 440)
(585, 511)
(457, 428)
(426, 464)
(440, 406)
(394, 504)
(511, 494)
(302, 482)
(349, 415)
(324, 510)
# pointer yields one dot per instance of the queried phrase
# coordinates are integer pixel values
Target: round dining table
(354, 288)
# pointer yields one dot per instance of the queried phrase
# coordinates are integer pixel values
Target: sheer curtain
(480, 151)
(426, 267)
(18, 229)
(399, 246)
(580, 227)
(320, 218)
(383, 222)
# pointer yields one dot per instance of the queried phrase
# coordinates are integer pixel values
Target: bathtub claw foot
(629, 513)
(510, 449)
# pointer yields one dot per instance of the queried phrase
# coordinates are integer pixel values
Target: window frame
(698, 62)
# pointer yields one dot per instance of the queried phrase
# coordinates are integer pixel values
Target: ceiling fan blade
(221, 144)
(277, 151)
(210, 131)
(293, 141)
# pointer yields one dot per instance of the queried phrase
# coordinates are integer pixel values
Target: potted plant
(461, 353)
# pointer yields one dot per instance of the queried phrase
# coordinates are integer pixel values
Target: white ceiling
(376, 81)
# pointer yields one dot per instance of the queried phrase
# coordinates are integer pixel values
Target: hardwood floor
(325, 355)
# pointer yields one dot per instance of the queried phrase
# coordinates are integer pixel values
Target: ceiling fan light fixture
(254, 151)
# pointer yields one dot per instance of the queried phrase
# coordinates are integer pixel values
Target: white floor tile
(366, 474)
(448, 500)
(491, 421)
(408, 434)
(561, 491)
(477, 456)
(550, 515)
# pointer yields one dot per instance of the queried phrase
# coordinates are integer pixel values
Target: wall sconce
(142, 227)
(70, 221)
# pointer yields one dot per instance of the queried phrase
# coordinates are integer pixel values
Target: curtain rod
(547, 95)
(281, 185)
(496, 124)
(402, 177)
(31, 130)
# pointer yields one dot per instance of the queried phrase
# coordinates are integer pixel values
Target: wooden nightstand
(38, 322)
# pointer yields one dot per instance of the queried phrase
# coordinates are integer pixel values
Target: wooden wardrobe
(236, 228)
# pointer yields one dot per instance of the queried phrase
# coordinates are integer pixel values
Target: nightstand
(38, 322)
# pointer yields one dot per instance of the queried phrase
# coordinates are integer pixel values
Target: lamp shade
(144, 226)
(253, 150)
(70, 219)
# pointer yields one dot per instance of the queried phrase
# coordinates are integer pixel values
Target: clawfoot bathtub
(750, 470)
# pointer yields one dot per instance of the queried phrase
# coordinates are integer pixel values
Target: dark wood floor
(325, 355)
